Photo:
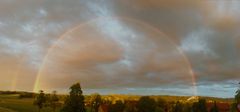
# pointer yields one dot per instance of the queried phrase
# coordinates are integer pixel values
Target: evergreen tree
(75, 101)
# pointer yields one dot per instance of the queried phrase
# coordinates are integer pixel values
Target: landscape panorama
(119, 55)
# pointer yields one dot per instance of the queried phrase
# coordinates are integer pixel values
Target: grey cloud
(207, 32)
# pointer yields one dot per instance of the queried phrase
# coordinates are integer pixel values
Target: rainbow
(192, 75)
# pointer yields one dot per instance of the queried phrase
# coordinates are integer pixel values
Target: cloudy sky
(121, 46)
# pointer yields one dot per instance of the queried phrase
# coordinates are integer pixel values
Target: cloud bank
(117, 52)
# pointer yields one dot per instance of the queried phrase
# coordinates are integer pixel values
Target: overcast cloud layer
(122, 55)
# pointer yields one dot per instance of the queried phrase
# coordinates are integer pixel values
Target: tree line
(75, 102)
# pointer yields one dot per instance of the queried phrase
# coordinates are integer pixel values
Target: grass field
(11, 103)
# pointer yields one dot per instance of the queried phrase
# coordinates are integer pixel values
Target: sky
(145, 47)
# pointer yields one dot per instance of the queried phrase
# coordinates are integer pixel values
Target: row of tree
(75, 102)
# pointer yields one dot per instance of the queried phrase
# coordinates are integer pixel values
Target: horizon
(119, 46)
(121, 94)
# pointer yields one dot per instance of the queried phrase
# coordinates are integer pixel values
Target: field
(11, 103)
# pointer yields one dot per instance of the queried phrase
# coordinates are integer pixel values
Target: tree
(237, 96)
(159, 109)
(130, 106)
(40, 100)
(214, 108)
(178, 107)
(117, 107)
(75, 101)
(234, 107)
(146, 104)
(187, 107)
(96, 101)
(162, 105)
(202, 105)
(199, 106)
(54, 101)
(195, 107)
